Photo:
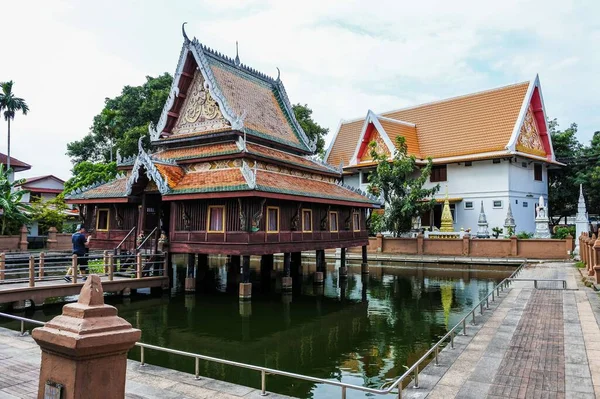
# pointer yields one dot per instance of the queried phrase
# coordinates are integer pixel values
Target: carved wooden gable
(200, 112)
(380, 146)
(529, 140)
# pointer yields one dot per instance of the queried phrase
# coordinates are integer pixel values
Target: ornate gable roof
(487, 122)
(212, 93)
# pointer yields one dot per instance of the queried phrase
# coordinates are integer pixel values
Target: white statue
(541, 221)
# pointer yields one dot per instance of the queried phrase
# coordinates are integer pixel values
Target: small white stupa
(510, 226)
(581, 221)
(542, 229)
(482, 225)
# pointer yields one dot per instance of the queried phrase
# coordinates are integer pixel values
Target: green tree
(87, 173)
(14, 212)
(49, 214)
(312, 129)
(401, 182)
(10, 104)
(588, 173)
(563, 184)
(122, 122)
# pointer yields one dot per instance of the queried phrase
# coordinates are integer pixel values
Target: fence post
(42, 261)
(52, 241)
(139, 265)
(2, 265)
(105, 261)
(23, 238)
(74, 268)
(31, 271)
(111, 267)
(166, 264)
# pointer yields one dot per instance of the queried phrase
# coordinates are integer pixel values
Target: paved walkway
(20, 368)
(533, 343)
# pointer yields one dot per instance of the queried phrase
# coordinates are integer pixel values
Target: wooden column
(286, 280)
(364, 266)
(245, 285)
(343, 273)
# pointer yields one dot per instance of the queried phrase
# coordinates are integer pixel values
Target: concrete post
(245, 285)
(596, 249)
(591, 253)
(74, 268)
(286, 280)
(139, 265)
(514, 246)
(364, 266)
(111, 267)
(296, 264)
(23, 240)
(42, 261)
(190, 276)
(31, 271)
(105, 261)
(343, 268)
(2, 266)
(52, 241)
(85, 349)
(579, 246)
(379, 239)
(569, 244)
(319, 275)
(466, 244)
(420, 238)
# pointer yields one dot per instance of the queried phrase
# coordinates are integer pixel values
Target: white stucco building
(491, 146)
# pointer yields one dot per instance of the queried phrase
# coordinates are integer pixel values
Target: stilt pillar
(286, 280)
(296, 264)
(319, 274)
(364, 266)
(266, 267)
(343, 268)
(190, 275)
(245, 285)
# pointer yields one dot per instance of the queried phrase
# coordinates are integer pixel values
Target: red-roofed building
(230, 172)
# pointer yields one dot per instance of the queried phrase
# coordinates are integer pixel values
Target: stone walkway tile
(444, 392)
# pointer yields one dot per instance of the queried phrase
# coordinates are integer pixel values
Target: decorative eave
(79, 193)
(372, 198)
(310, 144)
(249, 175)
(143, 159)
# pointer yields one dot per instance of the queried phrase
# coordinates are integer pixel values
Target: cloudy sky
(341, 58)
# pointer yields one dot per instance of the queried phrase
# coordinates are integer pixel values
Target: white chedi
(542, 229)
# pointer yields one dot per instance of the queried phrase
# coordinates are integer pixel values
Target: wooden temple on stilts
(230, 171)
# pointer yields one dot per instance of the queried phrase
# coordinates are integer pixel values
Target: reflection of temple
(230, 172)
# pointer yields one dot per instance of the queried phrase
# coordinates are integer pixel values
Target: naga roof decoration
(229, 96)
(213, 98)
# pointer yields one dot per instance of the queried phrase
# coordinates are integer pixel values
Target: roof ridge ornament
(249, 174)
(237, 56)
(278, 75)
(186, 39)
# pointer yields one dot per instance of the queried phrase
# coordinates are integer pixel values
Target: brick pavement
(530, 344)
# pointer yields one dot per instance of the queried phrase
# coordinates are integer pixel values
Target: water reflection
(360, 329)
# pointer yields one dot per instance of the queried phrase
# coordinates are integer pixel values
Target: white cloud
(340, 57)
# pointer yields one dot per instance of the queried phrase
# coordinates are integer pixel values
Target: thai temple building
(491, 148)
(230, 172)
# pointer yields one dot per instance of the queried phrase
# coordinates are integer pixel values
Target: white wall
(488, 182)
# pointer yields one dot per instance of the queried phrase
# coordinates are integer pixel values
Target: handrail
(124, 239)
(535, 281)
(146, 239)
(396, 384)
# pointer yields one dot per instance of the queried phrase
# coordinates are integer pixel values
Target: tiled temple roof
(218, 180)
(470, 124)
(198, 151)
(113, 189)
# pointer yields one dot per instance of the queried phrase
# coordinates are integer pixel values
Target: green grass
(580, 265)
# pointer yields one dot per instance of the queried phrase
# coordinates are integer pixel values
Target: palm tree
(10, 104)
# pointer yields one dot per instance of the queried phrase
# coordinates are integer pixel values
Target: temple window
(333, 222)
(468, 204)
(272, 219)
(216, 219)
(438, 173)
(356, 221)
(307, 220)
(498, 204)
(537, 172)
(364, 177)
(102, 221)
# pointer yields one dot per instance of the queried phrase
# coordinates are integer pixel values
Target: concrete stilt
(190, 275)
(364, 266)
(343, 273)
(296, 264)
(245, 285)
(286, 280)
(266, 267)
(319, 274)
(201, 271)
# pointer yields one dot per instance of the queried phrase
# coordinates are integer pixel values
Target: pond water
(363, 330)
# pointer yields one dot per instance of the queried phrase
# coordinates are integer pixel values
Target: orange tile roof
(294, 185)
(394, 130)
(257, 100)
(470, 124)
(211, 181)
(171, 173)
(198, 151)
(287, 157)
(113, 189)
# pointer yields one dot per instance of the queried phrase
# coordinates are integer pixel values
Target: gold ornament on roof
(529, 136)
(447, 221)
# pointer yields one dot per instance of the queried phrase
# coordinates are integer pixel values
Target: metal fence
(391, 387)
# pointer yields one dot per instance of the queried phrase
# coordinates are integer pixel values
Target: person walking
(80, 248)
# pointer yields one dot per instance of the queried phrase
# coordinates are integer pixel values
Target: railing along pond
(391, 386)
(45, 268)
